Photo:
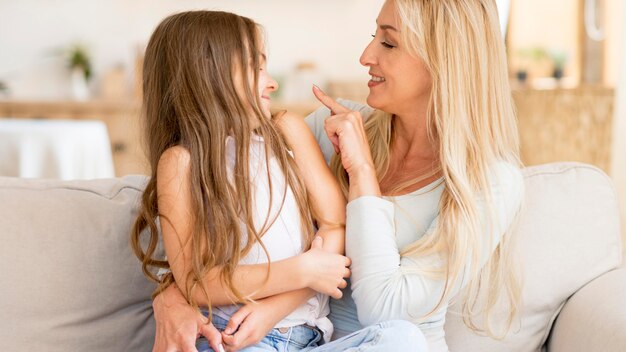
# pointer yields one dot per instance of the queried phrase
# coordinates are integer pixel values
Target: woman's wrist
(363, 182)
(171, 294)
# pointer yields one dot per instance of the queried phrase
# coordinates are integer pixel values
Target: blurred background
(70, 73)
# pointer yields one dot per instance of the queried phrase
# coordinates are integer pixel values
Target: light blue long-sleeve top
(383, 285)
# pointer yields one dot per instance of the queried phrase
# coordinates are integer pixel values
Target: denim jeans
(394, 335)
(296, 338)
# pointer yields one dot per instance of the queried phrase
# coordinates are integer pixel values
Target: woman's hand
(325, 271)
(178, 325)
(345, 130)
(251, 323)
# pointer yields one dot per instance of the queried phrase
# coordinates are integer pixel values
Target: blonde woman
(431, 173)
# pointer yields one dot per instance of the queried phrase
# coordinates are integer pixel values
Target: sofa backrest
(70, 281)
(568, 234)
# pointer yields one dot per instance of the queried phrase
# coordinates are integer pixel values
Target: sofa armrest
(594, 318)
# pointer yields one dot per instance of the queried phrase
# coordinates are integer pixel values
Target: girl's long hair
(472, 122)
(195, 64)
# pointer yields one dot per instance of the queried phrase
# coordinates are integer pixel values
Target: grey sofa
(71, 283)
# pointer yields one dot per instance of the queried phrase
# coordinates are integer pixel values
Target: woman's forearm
(364, 183)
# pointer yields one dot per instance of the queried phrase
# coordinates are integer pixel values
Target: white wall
(330, 33)
(618, 167)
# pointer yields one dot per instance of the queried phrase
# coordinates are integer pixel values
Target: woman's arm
(178, 325)
(387, 286)
(174, 203)
(345, 129)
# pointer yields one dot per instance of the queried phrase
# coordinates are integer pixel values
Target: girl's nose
(272, 85)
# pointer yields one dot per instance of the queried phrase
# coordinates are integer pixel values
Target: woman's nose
(367, 57)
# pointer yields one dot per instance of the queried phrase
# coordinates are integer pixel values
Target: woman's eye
(384, 43)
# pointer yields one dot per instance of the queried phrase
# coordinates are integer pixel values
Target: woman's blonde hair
(195, 64)
(471, 120)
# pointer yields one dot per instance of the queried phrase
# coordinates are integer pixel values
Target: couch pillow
(567, 235)
(70, 281)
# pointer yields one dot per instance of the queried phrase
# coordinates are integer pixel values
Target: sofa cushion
(568, 234)
(70, 281)
(593, 319)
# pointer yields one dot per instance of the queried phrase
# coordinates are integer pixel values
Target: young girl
(233, 205)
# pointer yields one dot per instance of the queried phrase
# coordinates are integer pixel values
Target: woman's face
(399, 81)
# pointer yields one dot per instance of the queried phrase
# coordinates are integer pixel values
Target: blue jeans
(394, 335)
(296, 338)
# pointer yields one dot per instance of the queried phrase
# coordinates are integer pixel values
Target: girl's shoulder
(174, 160)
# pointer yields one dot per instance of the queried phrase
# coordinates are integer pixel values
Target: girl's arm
(327, 200)
(253, 321)
(174, 203)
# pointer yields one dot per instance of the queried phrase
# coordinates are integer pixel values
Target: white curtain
(503, 12)
(618, 164)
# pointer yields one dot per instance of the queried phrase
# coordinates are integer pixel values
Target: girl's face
(399, 81)
(266, 85)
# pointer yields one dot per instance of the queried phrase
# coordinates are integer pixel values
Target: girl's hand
(326, 271)
(251, 323)
(178, 325)
(345, 130)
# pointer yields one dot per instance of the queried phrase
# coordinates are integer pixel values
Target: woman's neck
(411, 140)
(413, 156)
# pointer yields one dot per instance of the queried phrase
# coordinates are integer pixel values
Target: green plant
(526, 58)
(532, 53)
(558, 57)
(79, 58)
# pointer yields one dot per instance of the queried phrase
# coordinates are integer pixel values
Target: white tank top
(283, 238)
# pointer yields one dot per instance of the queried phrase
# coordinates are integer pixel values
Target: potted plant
(526, 59)
(79, 63)
(559, 59)
(4, 89)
